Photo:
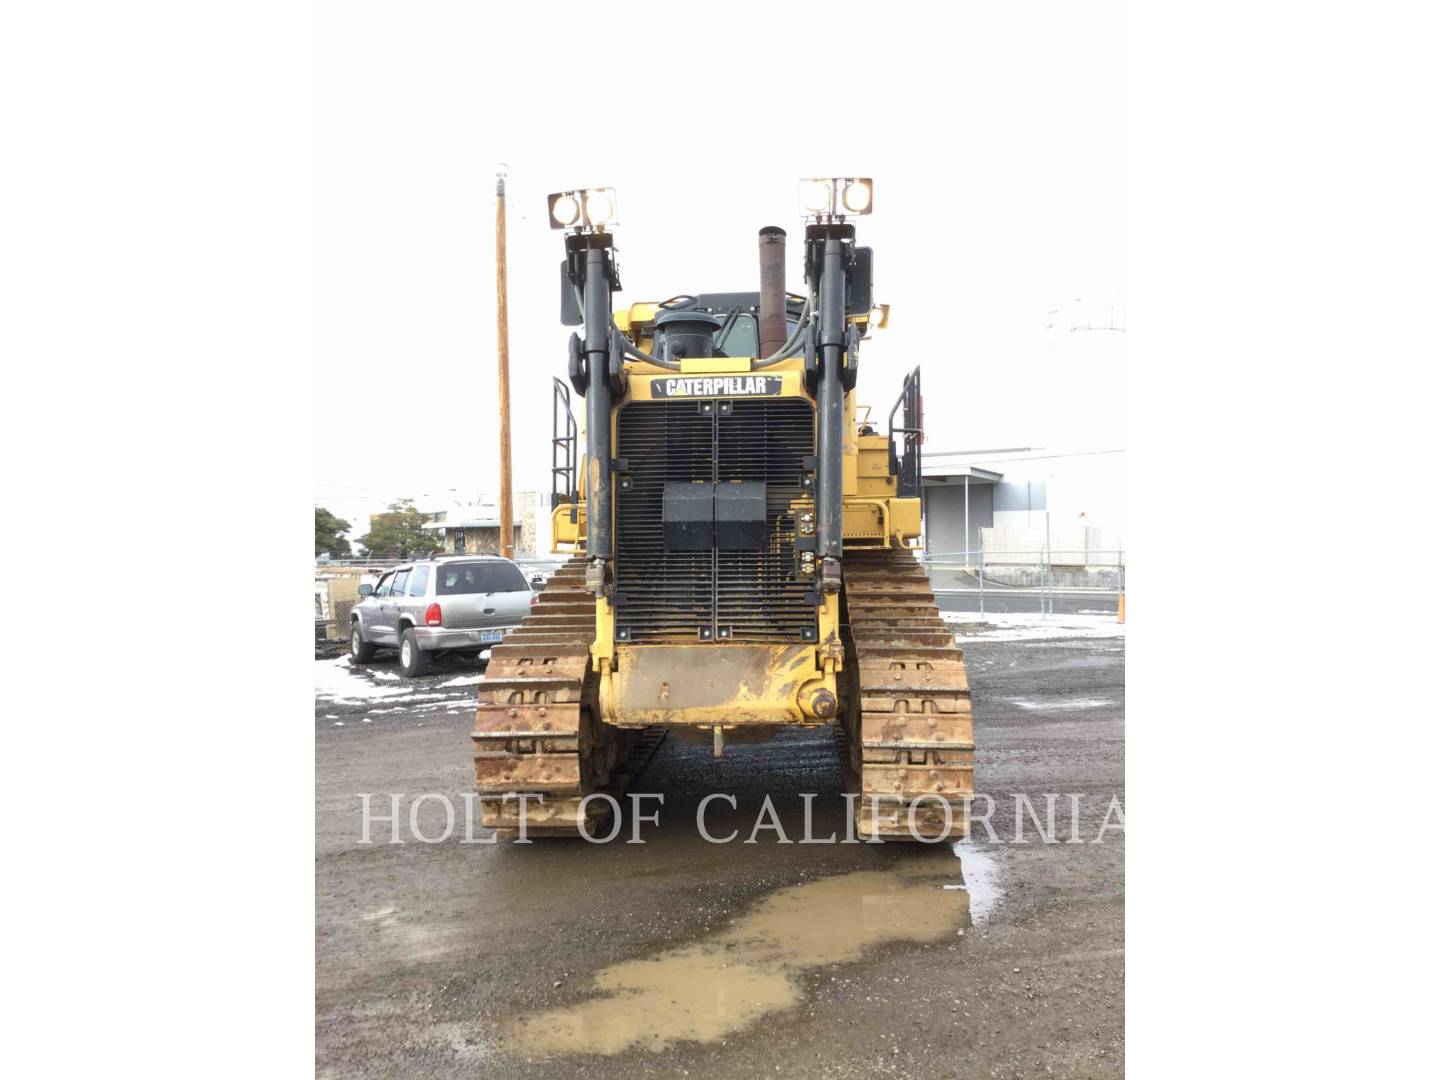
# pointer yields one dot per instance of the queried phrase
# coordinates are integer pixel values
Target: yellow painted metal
(643, 378)
(729, 684)
(904, 519)
(831, 651)
(881, 522)
(769, 684)
(636, 313)
(714, 365)
(602, 652)
(872, 466)
(567, 536)
(867, 521)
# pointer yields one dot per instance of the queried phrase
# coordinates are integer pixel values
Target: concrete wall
(1071, 489)
(527, 506)
(479, 540)
(1068, 544)
(1080, 489)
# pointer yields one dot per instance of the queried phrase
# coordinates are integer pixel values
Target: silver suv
(461, 604)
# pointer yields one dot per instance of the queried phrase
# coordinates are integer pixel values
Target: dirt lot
(678, 957)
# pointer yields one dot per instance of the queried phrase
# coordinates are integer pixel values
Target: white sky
(993, 136)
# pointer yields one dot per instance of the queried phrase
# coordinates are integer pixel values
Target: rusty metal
(773, 328)
(536, 722)
(908, 728)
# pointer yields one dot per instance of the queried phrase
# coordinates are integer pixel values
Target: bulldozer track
(908, 731)
(537, 729)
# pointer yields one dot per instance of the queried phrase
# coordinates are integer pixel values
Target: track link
(909, 730)
(536, 723)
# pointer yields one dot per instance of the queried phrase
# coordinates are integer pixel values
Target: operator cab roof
(727, 303)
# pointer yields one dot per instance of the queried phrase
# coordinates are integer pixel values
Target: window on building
(419, 580)
(459, 541)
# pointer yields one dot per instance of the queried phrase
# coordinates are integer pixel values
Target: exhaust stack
(773, 329)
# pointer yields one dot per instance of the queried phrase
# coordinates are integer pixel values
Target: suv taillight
(432, 615)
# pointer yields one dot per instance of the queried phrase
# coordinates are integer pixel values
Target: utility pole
(502, 355)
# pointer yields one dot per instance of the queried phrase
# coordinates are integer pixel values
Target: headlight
(564, 210)
(584, 208)
(816, 196)
(599, 206)
(836, 197)
(855, 197)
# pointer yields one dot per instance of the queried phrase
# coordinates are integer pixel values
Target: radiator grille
(711, 595)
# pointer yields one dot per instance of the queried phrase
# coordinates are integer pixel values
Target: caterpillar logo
(716, 386)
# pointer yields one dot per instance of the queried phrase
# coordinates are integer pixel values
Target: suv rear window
(479, 577)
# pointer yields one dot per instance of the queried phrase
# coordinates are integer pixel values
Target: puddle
(705, 991)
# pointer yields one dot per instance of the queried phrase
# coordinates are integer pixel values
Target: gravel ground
(427, 954)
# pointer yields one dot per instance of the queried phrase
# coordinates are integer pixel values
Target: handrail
(906, 467)
(563, 448)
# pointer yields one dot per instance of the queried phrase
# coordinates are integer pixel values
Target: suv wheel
(412, 657)
(360, 650)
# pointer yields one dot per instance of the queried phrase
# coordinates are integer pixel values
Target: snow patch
(982, 878)
(1064, 703)
(1029, 626)
(337, 680)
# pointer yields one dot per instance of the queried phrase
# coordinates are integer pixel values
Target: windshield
(479, 577)
(737, 339)
(742, 336)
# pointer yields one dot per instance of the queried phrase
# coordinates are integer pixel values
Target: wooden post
(502, 330)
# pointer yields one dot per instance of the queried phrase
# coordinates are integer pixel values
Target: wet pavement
(679, 957)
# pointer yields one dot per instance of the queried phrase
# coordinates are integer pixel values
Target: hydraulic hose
(792, 343)
(789, 349)
(640, 354)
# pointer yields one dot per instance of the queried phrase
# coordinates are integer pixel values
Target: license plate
(487, 636)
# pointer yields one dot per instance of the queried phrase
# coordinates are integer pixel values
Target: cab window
(738, 339)
(419, 580)
(383, 589)
(397, 587)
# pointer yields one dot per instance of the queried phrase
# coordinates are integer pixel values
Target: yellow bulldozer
(742, 543)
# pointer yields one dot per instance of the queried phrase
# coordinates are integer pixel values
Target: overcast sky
(993, 136)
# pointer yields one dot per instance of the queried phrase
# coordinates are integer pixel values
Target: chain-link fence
(1042, 573)
(1045, 574)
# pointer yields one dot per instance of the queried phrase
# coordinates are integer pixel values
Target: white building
(1021, 502)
